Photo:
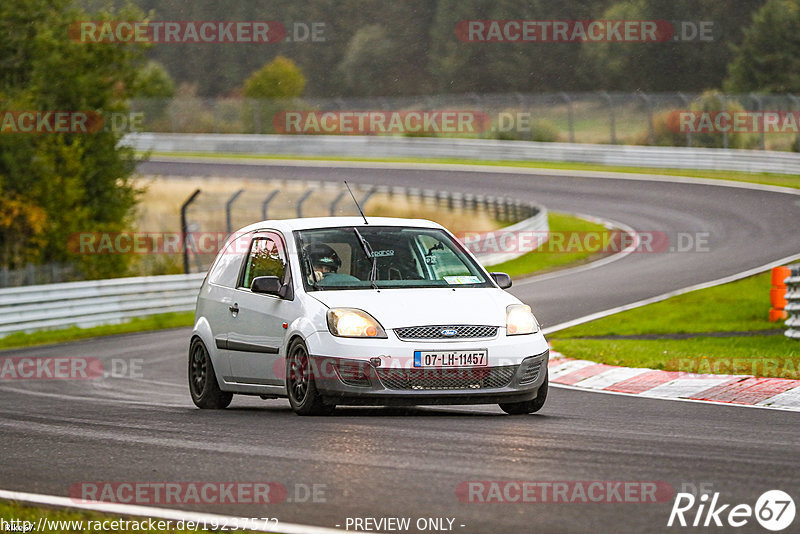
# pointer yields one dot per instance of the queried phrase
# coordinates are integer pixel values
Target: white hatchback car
(335, 311)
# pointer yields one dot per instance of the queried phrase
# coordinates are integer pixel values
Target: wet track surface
(409, 462)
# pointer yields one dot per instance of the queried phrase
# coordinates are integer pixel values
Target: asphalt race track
(409, 462)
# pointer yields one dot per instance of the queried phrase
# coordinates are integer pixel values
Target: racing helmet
(322, 254)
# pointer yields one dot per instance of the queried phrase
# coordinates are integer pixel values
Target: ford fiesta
(341, 311)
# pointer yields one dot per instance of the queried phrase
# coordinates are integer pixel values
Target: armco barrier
(92, 303)
(793, 302)
(486, 149)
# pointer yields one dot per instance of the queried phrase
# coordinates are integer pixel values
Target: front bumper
(345, 371)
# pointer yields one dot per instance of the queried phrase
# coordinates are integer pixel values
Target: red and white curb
(743, 390)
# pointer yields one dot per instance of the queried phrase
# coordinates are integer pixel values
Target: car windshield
(366, 257)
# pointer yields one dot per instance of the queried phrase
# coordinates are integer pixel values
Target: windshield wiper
(373, 273)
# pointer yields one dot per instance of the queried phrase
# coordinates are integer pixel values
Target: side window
(229, 262)
(267, 258)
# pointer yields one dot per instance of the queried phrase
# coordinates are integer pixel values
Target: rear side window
(267, 257)
(229, 262)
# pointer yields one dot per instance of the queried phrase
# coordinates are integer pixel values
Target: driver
(325, 263)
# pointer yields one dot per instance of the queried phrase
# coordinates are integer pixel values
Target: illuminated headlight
(351, 322)
(520, 320)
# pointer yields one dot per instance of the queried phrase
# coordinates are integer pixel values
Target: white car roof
(307, 223)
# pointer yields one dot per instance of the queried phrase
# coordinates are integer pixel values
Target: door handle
(234, 308)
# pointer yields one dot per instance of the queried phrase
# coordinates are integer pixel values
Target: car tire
(531, 406)
(300, 385)
(203, 384)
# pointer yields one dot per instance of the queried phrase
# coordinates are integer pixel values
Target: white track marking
(684, 387)
(162, 513)
(676, 399)
(664, 296)
(630, 249)
(567, 368)
(788, 400)
(610, 377)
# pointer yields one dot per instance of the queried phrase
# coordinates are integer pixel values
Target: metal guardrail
(793, 303)
(92, 303)
(492, 253)
(486, 149)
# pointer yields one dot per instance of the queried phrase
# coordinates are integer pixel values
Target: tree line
(411, 47)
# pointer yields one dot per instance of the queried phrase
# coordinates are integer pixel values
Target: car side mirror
(268, 285)
(501, 279)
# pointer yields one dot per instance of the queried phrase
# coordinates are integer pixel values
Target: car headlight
(520, 320)
(352, 322)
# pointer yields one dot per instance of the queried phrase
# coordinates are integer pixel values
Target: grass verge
(740, 306)
(785, 180)
(46, 337)
(544, 258)
(67, 521)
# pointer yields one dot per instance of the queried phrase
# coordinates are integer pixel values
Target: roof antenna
(356, 202)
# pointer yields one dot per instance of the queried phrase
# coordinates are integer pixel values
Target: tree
(280, 78)
(55, 185)
(769, 58)
(367, 66)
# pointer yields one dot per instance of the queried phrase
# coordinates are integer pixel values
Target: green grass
(542, 259)
(737, 306)
(785, 180)
(45, 337)
(12, 510)
(770, 356)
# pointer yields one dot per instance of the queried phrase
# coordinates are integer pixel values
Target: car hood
(395, 308)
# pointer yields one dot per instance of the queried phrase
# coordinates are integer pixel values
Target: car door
(217, 298)
(255, 341)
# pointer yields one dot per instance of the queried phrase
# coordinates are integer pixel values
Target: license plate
(451, 358)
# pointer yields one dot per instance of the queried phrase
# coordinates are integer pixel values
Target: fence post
(570, 116)
(612, 120)
(185, 229)
(796, 103)
(368, 196)
(651, 135)
(688, 106)
(336, 201)
(757, 99)
(300, 202)
(266, 202)
(228, 206)
(725, 140)
(256, 115)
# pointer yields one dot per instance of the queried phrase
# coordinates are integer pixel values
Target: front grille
(447, 378)
(531, 373)
(460, 331)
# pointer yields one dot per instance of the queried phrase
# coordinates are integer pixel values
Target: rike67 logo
(774, 510)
